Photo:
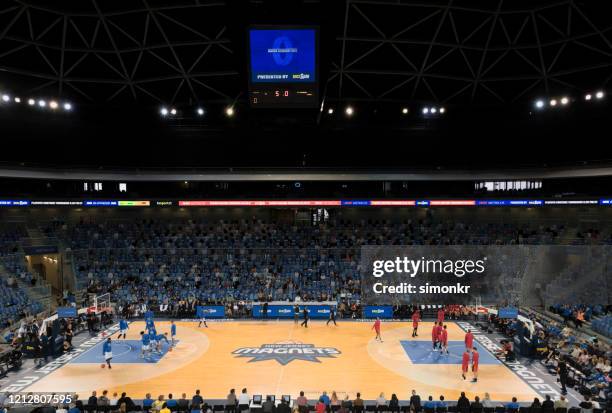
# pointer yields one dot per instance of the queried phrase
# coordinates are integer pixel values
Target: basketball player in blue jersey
(158, 340)
(150, 324)
(123, 328)
(145, 340)
(153, 339)
(172, 331)
(107, 351)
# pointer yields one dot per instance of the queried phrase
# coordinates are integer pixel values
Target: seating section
(253, 259)
(603, 325)
(192, 406)
(14, 304)
(10, 235)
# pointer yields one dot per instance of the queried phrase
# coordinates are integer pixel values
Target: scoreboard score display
(283, 67)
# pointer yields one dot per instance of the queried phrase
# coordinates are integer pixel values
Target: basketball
(102, 365)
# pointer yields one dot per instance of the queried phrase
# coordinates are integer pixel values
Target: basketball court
(282, 358)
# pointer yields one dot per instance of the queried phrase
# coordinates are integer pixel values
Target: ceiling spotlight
(553, 102)
(349, 111)
(164, 112)
(599, 94)
(53, 104)
(539, 104)
(31, 102)
(68, 106)
(42, 103)
(200, 111)
(433, 110)
(564, 100)
(588, 96)
(405, 111)
(330, 111)
(6, 98)
(442, 110)
(173, 111)
(229, 111)
(425, 110)
(17, 100)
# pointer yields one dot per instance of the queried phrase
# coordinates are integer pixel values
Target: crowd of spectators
(580, 362)
(15, 303)
(323, 403)
(10, 237)
(232, 262)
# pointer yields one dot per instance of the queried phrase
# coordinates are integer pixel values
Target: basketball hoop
(102, 303)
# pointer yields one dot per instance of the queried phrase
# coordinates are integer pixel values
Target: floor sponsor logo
(285, 353)
(529, 376)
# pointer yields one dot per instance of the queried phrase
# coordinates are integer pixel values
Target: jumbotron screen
(283, 67)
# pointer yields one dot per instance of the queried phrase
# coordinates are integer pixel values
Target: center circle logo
(286, 352)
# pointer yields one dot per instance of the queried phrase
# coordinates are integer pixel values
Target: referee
(296, 314)
(305, 322)
(332, 316)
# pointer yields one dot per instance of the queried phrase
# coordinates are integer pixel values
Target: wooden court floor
(348, 360)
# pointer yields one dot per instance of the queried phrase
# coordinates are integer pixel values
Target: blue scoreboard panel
(283, 67)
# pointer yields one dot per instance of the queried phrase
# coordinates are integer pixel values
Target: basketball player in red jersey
(469, 340)
(441, 315)
(434, 336)
(416, 317)
(475, 358)
(465, 361)
(376, 327)
(443, 338)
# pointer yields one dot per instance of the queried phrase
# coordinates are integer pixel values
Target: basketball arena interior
(285, 206)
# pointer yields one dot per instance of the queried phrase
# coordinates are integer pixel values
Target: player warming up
(376, 327)
(465, 362)
(149, 324)
(152, 340)
(107, 351)
(202, 321)
(158, 341)
(145, 341)
(123, 328)
(172, 332)
(441, 315)
(469, 340)
(435, 336)
(443, 340)
(475, 358)
(416, 317)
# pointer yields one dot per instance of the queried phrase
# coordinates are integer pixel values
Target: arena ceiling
(192, 51)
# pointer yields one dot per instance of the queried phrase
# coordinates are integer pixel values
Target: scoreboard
(283, 67)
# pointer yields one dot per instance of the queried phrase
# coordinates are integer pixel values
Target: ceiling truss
(389, 50)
